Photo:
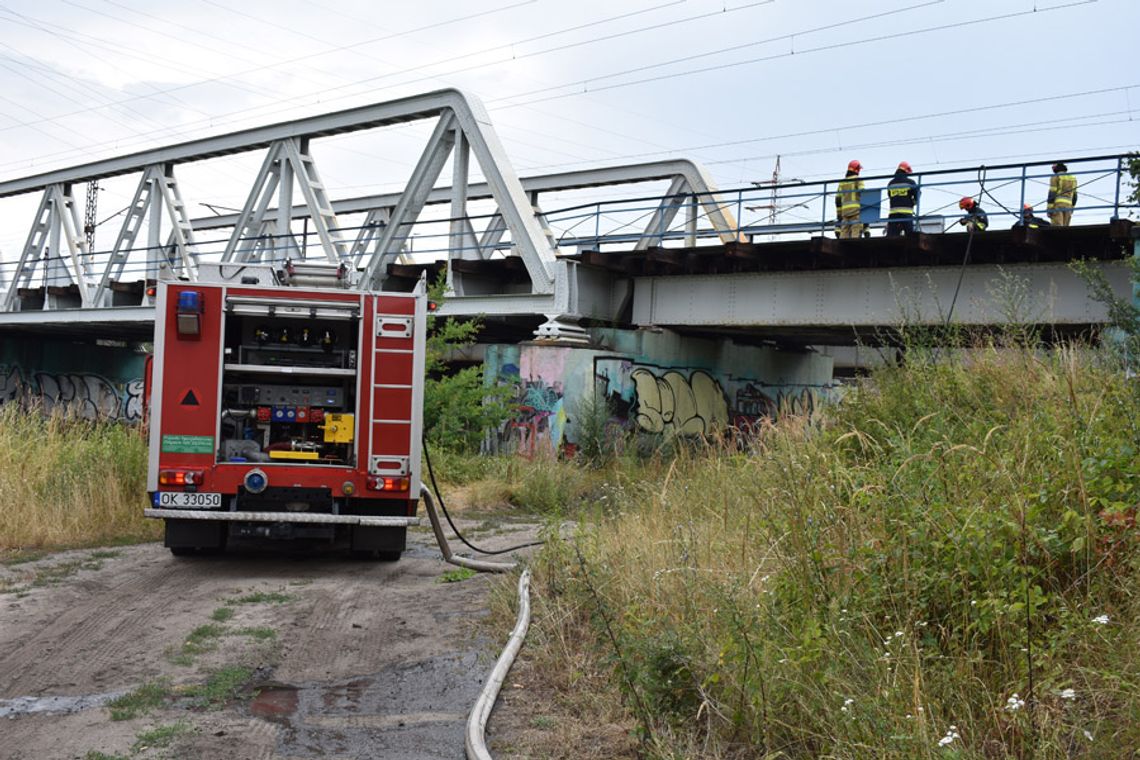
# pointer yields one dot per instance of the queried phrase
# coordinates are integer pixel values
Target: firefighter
(975, 219)
(847, 203)
(1062, 195)
(903, 195)
(1027, 219)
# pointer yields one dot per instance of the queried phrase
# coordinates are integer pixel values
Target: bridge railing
(759, 213)
(799, 210)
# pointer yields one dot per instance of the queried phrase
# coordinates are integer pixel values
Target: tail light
(180, 477)
(376, 483)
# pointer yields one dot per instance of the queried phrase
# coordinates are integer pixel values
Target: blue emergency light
(189, 313)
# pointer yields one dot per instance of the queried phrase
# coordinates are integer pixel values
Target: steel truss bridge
(757, 260)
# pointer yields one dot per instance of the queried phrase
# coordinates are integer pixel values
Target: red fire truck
(285, 405)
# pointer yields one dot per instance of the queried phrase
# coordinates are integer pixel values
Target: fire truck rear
(284, 405)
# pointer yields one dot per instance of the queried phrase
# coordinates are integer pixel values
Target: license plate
(198, 500)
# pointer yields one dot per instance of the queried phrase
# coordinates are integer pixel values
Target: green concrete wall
(94, 380)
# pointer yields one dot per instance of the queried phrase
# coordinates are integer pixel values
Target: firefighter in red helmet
(847, 203)
(902, 193)
(975, 219)
(1028, 219)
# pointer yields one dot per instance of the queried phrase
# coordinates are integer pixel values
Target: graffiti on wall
(755, 402)
(539, 422)
(85, 394)
(671, 403)
(549, 385)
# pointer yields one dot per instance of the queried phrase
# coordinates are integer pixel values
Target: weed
(52, 575)
(958, 530)
(144, 699)
(260, 633)
(105, 554)
(202, 639)
(160, 736)
(20, 556)
(456, 575)
(262, 597)
(82, 484)
(97, 755)
(222, 686)
(222, 614)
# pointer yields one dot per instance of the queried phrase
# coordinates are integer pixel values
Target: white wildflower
(973, 602)
(1101, 619)
(948, 739)
(1014, 703)
(898, 634)
(846, 704)
(1068, 694)
(1088, 735)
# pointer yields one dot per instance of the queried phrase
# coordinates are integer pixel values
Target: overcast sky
(730, 83)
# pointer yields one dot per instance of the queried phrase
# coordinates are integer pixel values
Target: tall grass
(945, 565)
(70, 482)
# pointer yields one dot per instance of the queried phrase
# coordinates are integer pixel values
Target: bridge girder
(264, 227)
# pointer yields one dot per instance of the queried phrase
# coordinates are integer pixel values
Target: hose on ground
(475, 742)
(454, 527)
(474, 564)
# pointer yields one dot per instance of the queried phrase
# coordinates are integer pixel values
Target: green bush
(458, 408)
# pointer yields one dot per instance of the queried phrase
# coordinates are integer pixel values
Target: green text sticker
(188, 444)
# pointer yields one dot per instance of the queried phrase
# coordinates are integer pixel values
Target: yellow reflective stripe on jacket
(903, 211)
(849, 194)
(1062, 187)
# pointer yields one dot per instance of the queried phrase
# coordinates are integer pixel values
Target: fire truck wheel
(183, 551)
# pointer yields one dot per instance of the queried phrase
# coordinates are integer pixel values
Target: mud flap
(384, 540)
(195, 534)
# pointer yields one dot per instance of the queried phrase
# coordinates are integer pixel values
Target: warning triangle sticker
(190, 399)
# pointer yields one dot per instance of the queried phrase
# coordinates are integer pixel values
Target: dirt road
(132, 653)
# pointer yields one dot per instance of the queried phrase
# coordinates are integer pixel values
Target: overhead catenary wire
(866, 125)
(798, 33)
(996, 105)
(732, 64)
(546, 135)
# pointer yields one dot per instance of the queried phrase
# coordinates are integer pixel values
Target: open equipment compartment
(289, 382)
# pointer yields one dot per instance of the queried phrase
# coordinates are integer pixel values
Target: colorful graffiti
(755, 402)
(552, 385)
(539, 422)
(541, 419)
(85, 394)
(677, 406)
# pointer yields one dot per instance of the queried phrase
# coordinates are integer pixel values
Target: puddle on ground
(275, 703)
(10, 708)
(414, 712)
